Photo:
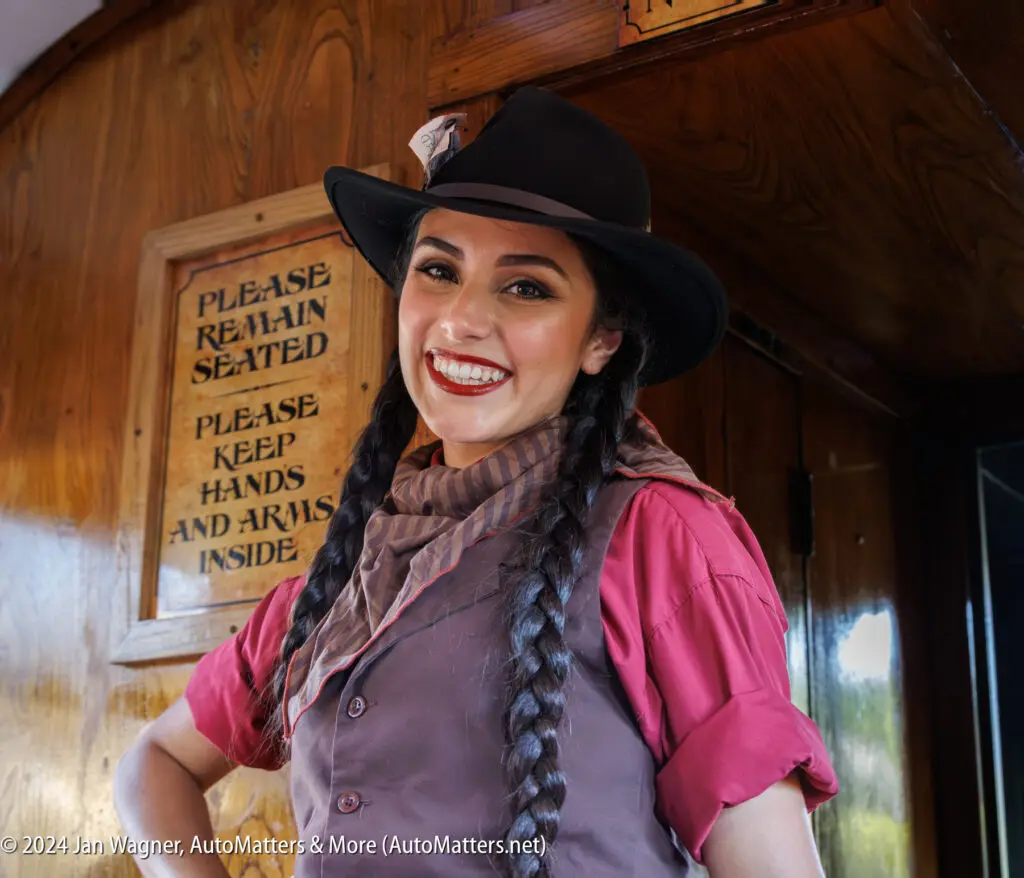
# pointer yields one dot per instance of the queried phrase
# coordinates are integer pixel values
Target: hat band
(505, 195)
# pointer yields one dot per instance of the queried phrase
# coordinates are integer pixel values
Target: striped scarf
(429, 518)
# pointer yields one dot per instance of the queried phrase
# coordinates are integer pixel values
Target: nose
(468, 313)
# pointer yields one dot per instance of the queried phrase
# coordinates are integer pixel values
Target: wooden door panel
(856, 695)
(688, 414)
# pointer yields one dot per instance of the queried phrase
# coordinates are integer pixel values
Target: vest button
(348, 802)
(356, 706)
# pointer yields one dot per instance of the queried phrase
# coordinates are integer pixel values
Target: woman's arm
(159, 788)
(765, 837)
(696, 630)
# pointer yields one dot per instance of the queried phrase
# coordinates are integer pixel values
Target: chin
(455, 430)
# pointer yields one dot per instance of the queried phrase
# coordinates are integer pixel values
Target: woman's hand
(767, 837)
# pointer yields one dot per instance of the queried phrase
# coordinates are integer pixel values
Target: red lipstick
(446, 384)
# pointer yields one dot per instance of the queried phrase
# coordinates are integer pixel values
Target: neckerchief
(431, 515)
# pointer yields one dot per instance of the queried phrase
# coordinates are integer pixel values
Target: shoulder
(671, 543)
(226, 691)
(271, 618)
(254, 648)
(712, 536)
(277, 603)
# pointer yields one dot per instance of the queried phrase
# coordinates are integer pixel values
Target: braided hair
(599, 414)
(392, 425)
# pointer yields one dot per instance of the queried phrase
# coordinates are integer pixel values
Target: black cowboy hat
(542, 160)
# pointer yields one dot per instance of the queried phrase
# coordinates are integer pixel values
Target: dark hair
(540, 581)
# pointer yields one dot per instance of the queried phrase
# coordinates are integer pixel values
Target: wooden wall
(197, 106)
(189, 109)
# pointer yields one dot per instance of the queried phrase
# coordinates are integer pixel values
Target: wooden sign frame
(137, 635)
(636, 27)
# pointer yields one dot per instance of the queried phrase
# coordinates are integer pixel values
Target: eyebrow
(511, 259)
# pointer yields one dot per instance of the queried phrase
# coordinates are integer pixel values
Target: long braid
(391, 428)
(392, 425)
(599, 413)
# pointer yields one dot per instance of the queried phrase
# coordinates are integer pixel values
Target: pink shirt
(695, 628)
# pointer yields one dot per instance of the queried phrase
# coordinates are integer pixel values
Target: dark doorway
(1001, 486)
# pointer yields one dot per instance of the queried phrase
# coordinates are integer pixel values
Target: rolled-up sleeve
(227, 690)
(696, 630)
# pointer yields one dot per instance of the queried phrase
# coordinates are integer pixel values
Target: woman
(540, 645)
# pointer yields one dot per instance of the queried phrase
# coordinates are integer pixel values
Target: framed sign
(260, 341)
(648, 19)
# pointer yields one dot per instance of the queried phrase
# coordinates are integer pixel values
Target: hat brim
(685, 303)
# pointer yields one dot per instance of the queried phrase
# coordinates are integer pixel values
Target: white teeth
(466, 373)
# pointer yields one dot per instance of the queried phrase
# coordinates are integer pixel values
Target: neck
(458, 455)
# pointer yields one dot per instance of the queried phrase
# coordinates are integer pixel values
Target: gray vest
(397, 765)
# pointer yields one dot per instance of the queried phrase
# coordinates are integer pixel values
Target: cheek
(553, 343)
(413, 320)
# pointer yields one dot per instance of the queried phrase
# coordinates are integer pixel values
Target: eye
(527, 289)
(437, 272)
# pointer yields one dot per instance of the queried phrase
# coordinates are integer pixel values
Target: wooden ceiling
(853, 173)
(854, 167)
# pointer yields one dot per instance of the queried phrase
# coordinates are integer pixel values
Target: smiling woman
(541, 631)
(516, 299)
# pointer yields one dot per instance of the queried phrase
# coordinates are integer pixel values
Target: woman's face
(495, 322)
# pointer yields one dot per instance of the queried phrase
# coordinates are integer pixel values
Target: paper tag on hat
(439, 136)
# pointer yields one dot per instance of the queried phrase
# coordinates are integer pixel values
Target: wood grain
(857, 695)
(850, 166)
(559, 42)
(937, 530)
(987, 46)
(926, 699)
(689, 414)
(187, 110)
(73, 45)
(524, 45)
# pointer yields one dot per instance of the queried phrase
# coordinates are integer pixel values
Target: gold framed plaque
(260, 340)
(642, 20)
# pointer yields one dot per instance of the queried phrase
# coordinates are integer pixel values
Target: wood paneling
(851, 166)
(856, 688)
(925, 697)
(561, 41)
(689, 413)
(986, 42)
(935, 525)
(76, 43)
(524, 45)
(188, 109)
(451, 16)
